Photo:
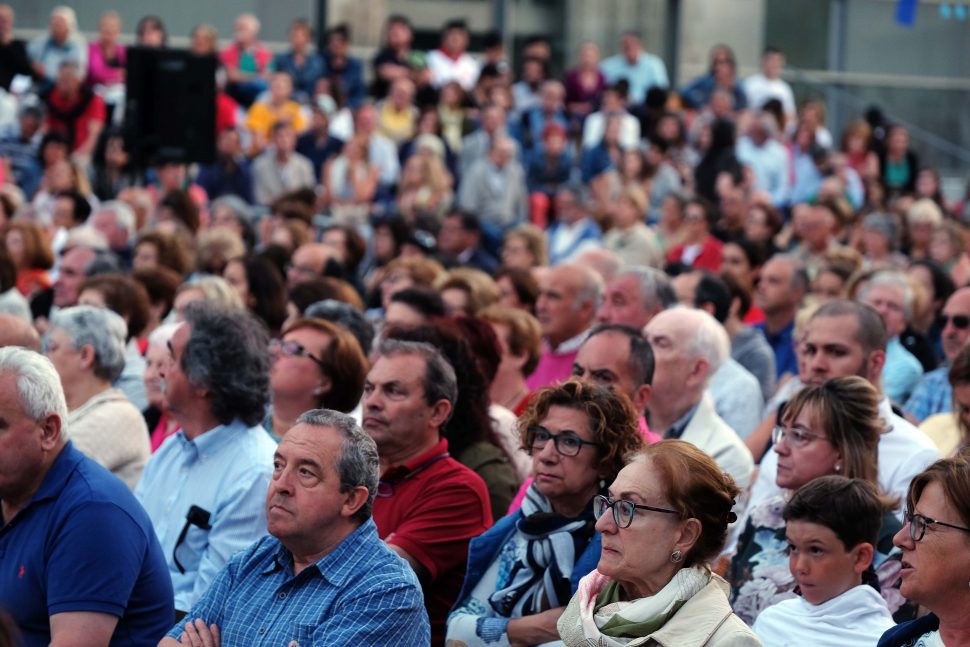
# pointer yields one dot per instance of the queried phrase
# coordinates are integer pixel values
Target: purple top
(105, 71)
(577, 92)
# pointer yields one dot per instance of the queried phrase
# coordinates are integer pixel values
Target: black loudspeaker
(170, 109)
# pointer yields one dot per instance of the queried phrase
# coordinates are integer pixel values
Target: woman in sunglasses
(662, 521)
(316, 365)
(830, 429)
(936, 556)
(522, 572)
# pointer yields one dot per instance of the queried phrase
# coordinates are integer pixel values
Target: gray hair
(358, 463)
(590, 288)
(704, 338)
(102, 329)
(891, 278)
(68, 15)
(38, 384)
(124, 215)
(440, 382)
(234, 204)
(655, 287)
(799, 275)
(346, 315)
(228, 354)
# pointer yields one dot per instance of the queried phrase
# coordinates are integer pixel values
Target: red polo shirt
(432, 515)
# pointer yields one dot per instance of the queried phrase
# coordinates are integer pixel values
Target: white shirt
(857, 618)
(904, 452)
(444, 69)
(759, 89)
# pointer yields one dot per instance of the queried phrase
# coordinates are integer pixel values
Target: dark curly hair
(228, 354)
(613, 421)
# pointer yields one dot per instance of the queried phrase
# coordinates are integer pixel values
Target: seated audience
(831, 527)
(663, 519)
(522, 571)
(87, 347)
(327, 575)
(94, 570)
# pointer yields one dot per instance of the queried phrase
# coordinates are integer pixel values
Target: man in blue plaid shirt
(322, 576)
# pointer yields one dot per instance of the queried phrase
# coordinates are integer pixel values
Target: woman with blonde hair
(629, 238)
(425, 194)
(466, 290)
(830, 429)
(525, 246)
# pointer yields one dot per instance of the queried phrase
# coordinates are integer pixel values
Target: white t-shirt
(759, 89)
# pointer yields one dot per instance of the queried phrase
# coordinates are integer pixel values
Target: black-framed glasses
(919, 522)
(795, 437)
(960, 322)
(567, 443)
(623, 510)
(292, 348)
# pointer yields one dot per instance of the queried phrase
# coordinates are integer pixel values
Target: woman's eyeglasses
(623, 510)
(794, 437)
(919, 522)
(567, 443)
(293, 349)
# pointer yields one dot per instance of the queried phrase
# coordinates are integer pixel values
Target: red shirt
(432, 514)
(94, 113)
(709, 259)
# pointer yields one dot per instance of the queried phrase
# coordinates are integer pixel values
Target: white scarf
(584, 630)
(857, 618)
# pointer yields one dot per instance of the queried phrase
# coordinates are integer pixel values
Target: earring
(838, 468)
(676, 556)
(602, 483)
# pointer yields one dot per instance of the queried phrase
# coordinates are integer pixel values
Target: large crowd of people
(445, 351)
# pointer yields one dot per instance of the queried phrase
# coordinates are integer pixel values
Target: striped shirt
(360, 594)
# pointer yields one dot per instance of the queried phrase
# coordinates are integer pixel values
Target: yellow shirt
(262, 117)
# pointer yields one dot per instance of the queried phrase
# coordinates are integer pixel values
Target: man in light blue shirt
(323, 576)
(767, 157)
(203, 488)
(640, 68)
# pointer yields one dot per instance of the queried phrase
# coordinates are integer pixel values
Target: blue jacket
(906, 633)
(484, 549)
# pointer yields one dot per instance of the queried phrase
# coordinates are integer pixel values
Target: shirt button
(282, 596)
(261, 631)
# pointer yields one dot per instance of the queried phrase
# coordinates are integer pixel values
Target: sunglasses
(960, 322)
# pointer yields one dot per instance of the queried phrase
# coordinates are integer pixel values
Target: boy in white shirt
(832, 524)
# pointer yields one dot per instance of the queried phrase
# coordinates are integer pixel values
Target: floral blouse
(760, 576)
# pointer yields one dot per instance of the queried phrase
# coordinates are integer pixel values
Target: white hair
(124, 215)
(68, 15)
(102, 329)
(890, 278)
(38, 384)
(704, 338)
(163, 334)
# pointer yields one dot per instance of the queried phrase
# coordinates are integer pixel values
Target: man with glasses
(934, 394)
(846, 338)
(323, 576)
(428, 504)
(204, 486)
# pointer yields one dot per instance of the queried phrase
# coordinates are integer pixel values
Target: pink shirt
(101, 71)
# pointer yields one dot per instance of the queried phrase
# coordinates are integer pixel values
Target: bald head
(308, 262)
(14, 331)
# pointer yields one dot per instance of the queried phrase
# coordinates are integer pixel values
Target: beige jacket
(704, 620)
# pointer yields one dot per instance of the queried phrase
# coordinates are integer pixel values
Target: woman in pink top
(106, 57)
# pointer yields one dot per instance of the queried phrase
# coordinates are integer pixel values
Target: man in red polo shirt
(428, 504)
(74, 110)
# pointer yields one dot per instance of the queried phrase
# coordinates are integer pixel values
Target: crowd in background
(759, 329)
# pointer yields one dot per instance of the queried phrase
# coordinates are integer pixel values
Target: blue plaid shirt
(932, 395)
(361, 593)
